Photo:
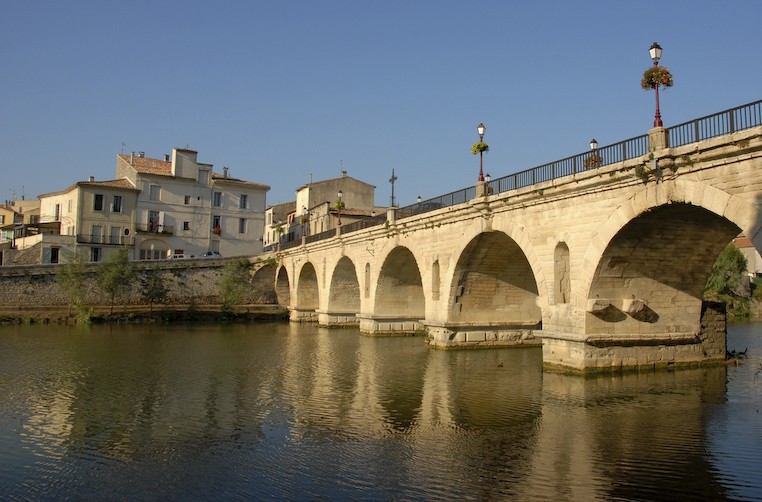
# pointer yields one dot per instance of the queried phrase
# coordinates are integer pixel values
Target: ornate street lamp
(340, 205)
(480, 131)
(593, 144)
(655, 52)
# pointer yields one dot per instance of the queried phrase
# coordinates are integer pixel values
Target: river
(295, 412)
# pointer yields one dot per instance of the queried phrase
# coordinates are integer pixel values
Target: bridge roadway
(605, 268)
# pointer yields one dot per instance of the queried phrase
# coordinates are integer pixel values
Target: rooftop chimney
(343, 174)
(166, 157)
(225, 172)
(141, 154)
(91, 179)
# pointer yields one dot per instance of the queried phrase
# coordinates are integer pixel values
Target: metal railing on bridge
(718, 124)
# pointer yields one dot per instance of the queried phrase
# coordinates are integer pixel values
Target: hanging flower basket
(656, 75)
(593, 161)
(339, 205)
(479, 147)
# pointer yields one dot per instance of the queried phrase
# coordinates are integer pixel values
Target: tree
(233, 283)
(71, 278)
(152, 289)
(115, 274)
(728, 282)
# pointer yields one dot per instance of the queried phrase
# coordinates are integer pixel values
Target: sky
(284, 92)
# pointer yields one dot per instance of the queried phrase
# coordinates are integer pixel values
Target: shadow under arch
(307, 291)
(494, 283)
(399, 290)
(655, 269)
(263, 285)
(282, 286)
(344, 295)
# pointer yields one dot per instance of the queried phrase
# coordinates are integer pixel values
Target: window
(242, 226)
(186, 225)
(154, 192)
(2, 219)
(187, 200)
(217, 199)
(95, 234)
(98, 202)
(243, 202)
(54, 255)
(153, 221)
(57, 216)
(68, 208)
(116, 204)
(95, 254)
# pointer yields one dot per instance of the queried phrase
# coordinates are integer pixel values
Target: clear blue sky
(283, 90)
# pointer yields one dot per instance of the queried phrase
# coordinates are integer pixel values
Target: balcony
(106, 240)
(153, 228)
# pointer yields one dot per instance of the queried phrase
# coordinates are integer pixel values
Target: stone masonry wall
(186, 281)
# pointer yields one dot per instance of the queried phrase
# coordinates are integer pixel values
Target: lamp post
(339, 205)
(304, 220)
(655, 52)
(593, 144)
(480, 131)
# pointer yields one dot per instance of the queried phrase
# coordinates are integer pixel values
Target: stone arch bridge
(604, 263)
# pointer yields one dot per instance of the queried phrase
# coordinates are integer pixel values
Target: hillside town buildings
(156, 208)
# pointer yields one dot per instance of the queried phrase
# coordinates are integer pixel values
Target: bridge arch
(282, 286)
(399, 288)
(494, 283)
(344, 294)
(647, 268)
(307, 290)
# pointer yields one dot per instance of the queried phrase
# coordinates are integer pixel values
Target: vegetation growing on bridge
(729, 282)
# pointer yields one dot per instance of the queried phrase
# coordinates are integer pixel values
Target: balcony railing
(107, 240)
(154, 228)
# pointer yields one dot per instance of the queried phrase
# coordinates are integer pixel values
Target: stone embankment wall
(186, 282)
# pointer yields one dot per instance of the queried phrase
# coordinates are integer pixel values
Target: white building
(185, 208)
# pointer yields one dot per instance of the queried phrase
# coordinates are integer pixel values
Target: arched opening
(400, 290)
(435, 281)
(282, 287)
(345, 289)
(263, 286)
(494, 283)
(367, 280)
(561, 279)
(307, 288)
(652, 275)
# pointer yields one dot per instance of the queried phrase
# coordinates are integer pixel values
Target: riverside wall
(186, 282)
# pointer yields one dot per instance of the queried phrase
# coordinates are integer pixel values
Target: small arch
(367, 280)
(435, 280)
(561, 274)
(283, 287)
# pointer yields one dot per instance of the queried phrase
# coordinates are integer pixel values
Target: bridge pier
(387, 325)
(337, 319)
(485, 335)
(605, 352)
(296, 314)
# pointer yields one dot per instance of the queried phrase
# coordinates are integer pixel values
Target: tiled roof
(120, 183)
(219, 178)
(145, 165)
